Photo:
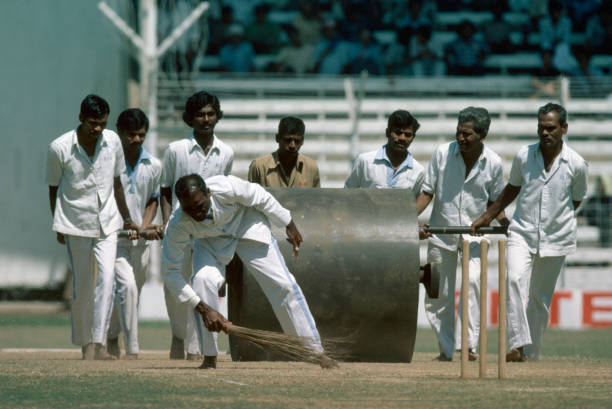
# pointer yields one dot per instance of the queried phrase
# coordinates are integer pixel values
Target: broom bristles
(292, 346)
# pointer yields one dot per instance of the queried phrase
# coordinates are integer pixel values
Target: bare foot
(102, 355)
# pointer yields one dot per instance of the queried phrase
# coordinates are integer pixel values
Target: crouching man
(223, 216)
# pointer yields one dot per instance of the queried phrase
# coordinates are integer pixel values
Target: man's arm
(154, 232)
(166, 204)
(423, 200)
(52, 202)
(506, 197)
(128, 223)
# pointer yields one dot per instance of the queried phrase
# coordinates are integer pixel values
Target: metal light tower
(149, 53)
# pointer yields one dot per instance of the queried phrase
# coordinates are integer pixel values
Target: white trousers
(441, 311)
(266, 264)
(178, 311)
(93, 274)
(531, 283)
(131, 268)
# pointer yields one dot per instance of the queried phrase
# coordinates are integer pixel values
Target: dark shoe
(210, 362)
(194, 357)
(112, 346)
(88, 352)
(516, 355)
(177, 349)
(443, 358)
(101, 354)
(472, 356)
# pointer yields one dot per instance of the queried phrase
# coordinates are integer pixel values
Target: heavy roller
(358, 269)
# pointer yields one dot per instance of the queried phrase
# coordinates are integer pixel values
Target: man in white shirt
(223, 216)
(550, 180)
(391, 166)
(204, 154)
(88, 207)
(141, 179)
(463, 178)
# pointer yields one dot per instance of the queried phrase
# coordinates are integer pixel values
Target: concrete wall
(53, 54)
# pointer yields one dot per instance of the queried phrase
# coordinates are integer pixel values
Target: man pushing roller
(223, 216)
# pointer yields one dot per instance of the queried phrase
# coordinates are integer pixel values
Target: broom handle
(466, 230)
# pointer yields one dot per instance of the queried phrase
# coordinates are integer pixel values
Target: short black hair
(551, 106)
(198, 101)
(132, 119)
(402, 119)
(291, 125)
(479, 116)
(189, 183)
(94, 106)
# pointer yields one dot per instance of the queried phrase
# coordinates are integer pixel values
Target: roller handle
(466, 230)
(127, 233)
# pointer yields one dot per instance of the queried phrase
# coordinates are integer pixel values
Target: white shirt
(544, 217)
(86, 203)
(239, 210)
(141, 184)
(459, 200)
(186, 156)
(374, 169)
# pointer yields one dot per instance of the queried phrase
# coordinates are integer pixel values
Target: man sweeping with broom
(223, 216)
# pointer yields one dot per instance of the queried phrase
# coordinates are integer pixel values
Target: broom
(292, 346)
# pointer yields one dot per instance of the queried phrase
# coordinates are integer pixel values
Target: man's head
(202, 112)
(290, 136)
(472, 127)
(552, 125)
(132, 127)
(193, 195)
(401, 131)
(93, 116)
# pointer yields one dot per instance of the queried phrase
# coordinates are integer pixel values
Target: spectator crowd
(392, 37)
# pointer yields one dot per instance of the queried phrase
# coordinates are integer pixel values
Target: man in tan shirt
(286, 167)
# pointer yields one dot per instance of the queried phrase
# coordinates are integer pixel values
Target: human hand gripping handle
(294, 237)
(129, 224)
(213, 320)
(482, 221)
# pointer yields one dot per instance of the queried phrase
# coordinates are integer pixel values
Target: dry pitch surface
(59, 379)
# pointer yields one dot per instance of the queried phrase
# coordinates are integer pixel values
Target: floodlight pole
(149, 54)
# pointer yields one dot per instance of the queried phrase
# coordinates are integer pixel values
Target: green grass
(53, 331)
(575, 372)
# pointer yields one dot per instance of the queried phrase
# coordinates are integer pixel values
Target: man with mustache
(550, 180)
(463, 178)
(88, 207)
(141, 180)
(204, 154)
(286, 167)
(392, 165)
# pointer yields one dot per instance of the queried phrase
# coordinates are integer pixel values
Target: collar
(195, 145)
(381, 155)
(454, 150)
(101, 139)
(563, 155)
(298, 164)
(142, 157)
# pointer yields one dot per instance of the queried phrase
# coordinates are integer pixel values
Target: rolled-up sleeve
(356, 176)
(516, 174)
(580, 182)
(431, 176)
(54, 167)
(175, 241)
